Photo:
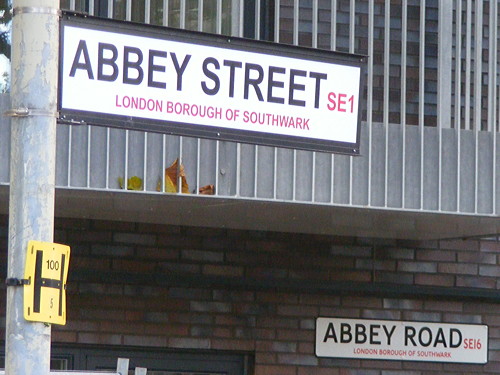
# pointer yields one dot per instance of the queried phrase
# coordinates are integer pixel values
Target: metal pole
(35, 38)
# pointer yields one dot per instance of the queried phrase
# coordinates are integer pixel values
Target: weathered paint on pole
(35, 44)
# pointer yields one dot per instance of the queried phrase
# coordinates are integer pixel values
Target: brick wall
(144, 285)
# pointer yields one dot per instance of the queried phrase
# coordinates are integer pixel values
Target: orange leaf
(172, 175)
(207, 190)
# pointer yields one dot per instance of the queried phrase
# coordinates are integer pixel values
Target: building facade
(233, 281)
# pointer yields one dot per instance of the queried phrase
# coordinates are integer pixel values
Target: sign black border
(74, 117)
(397, 359)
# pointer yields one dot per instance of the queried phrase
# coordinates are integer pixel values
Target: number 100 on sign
(45, 293)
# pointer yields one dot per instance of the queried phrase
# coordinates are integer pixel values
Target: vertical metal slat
(238, 169)
(217, 168)
(387, 36)
(182, 15)
(468, 33)
(147, 11)
(218, 20)
(70, 151)
(421, 98)
(369, 108)
(255, 172)
(200, 15)
(89, 144)
(145, 163)
(296, 22)
(179, 166)
(198, 164)
(165, 12)
(333, 25)
(478, 49)
(110, 8)
(108, 130)
(315, 24)
(257, 19)
(128, 14)
(125, 179)
(458, 93)
(275, 173)
(163, 162)
(277, 9)
(494, 71)
(404, 37)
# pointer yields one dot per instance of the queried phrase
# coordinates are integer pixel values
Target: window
(158, 362)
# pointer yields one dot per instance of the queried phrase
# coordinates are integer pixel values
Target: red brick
(133, 266)
(318, 371)
(94, 263)
(167, 330)
(159, 253)
(306, 347)
(394, 253)
(298, 359)
(435, 280)
(264, 334)
(295, 335)
(241, 345)
(477, 257)
(135, 238)
(178, 241)
(493, 271)
(469, 245)
(236, 296)
(267, 273)
(264, 358)
(231, 320)
(297, 310)
(436, 255)
(226, 333)
(427, 267)
(222, 270)
(121, 327)
(277, 322)
(274, 370)
(276, 346)
(321, 300)
(203, 256)
(136, 340)
(266, 246)
(361, 276)
(493, 246)
(247, 258)
(447, 306)
(458, 268)
(99, 339)
(364, 302)
(188, 343)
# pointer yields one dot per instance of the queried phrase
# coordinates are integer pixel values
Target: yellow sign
(45, 291)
